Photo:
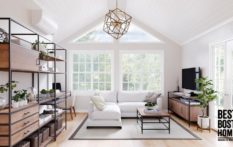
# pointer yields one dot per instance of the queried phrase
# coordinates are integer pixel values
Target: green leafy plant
(150, 104)
(20, 95)
(13, 85)
(51, 91)
(44, 91)
(37, 43)
(5, 88)
(206, 93)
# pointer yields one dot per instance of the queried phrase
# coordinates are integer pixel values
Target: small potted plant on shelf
(19, 99)
(44, 93)
(3, 102)
(150, 105)
(206, 94)
(42, 45)
(3, 89)
(43, 55)
(52, 92)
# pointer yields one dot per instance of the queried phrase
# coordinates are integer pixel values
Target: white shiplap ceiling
(179, 20)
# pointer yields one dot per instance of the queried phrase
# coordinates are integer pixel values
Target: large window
(92, 71)
(219, 71)
(142, 71)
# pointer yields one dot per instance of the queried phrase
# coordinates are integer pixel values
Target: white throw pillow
(99, 102)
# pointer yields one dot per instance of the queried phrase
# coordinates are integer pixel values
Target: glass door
(222, 75)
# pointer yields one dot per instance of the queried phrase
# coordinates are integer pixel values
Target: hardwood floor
(208, 139)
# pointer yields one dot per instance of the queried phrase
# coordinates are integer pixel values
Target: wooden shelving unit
(187, 108)
(17, 58)
(45, 143)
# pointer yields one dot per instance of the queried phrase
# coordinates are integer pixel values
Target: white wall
(18, 10)
(196, 53)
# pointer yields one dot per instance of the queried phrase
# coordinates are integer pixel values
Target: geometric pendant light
(116, 22)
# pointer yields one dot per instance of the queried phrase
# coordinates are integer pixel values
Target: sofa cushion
(109, 96)
(132, 96)
(130, 106)
(110, 111)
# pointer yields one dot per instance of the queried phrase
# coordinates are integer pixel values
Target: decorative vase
(15, 104)
(24, 102)
(52, 94)
(3, 103)
(203, 122)
(31, 97)
(44, 95)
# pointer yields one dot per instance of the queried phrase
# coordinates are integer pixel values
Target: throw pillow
(99, 102)
(153, 98)
(150, 94)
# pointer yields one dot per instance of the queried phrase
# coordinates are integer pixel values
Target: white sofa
(118, 105)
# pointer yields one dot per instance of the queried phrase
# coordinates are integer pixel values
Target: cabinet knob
(26, 113)
(25, 123)
(25, 133)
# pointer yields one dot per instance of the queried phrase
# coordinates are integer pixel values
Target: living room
(116, 73)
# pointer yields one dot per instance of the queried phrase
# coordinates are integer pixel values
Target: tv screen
(189, 75)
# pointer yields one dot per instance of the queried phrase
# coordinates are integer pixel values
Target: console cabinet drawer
(19, 115)
(19, 135)
(182, 109)
(4, 129)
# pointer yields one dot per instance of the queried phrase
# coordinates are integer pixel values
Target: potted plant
(43, 55)
(52, 92)
(44, 93)
(150, 105)
(3, 89)
(3, 102)
(19, 99)
(41, 45)
(205, 95)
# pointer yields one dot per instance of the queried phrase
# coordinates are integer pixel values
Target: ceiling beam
(121, 4)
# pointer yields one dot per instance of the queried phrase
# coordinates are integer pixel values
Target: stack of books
(151, 110)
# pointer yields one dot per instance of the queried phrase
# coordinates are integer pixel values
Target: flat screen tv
(189, 75)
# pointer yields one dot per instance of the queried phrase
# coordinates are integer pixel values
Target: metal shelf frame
(34, 74)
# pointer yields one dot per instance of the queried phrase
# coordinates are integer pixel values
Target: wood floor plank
(208, 139)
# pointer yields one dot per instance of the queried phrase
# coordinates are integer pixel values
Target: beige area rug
(131, 131)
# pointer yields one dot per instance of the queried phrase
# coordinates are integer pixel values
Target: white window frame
(92, 52)
(157, 51)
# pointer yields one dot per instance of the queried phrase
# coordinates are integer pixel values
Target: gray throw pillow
(153, 98)
(150, 94)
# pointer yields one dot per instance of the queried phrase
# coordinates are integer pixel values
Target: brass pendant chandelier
(117, 22)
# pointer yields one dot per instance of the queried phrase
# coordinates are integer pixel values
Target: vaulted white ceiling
(179, 20)
(73, 15)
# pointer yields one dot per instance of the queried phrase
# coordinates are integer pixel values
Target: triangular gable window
(95, 35)
(134, 35)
